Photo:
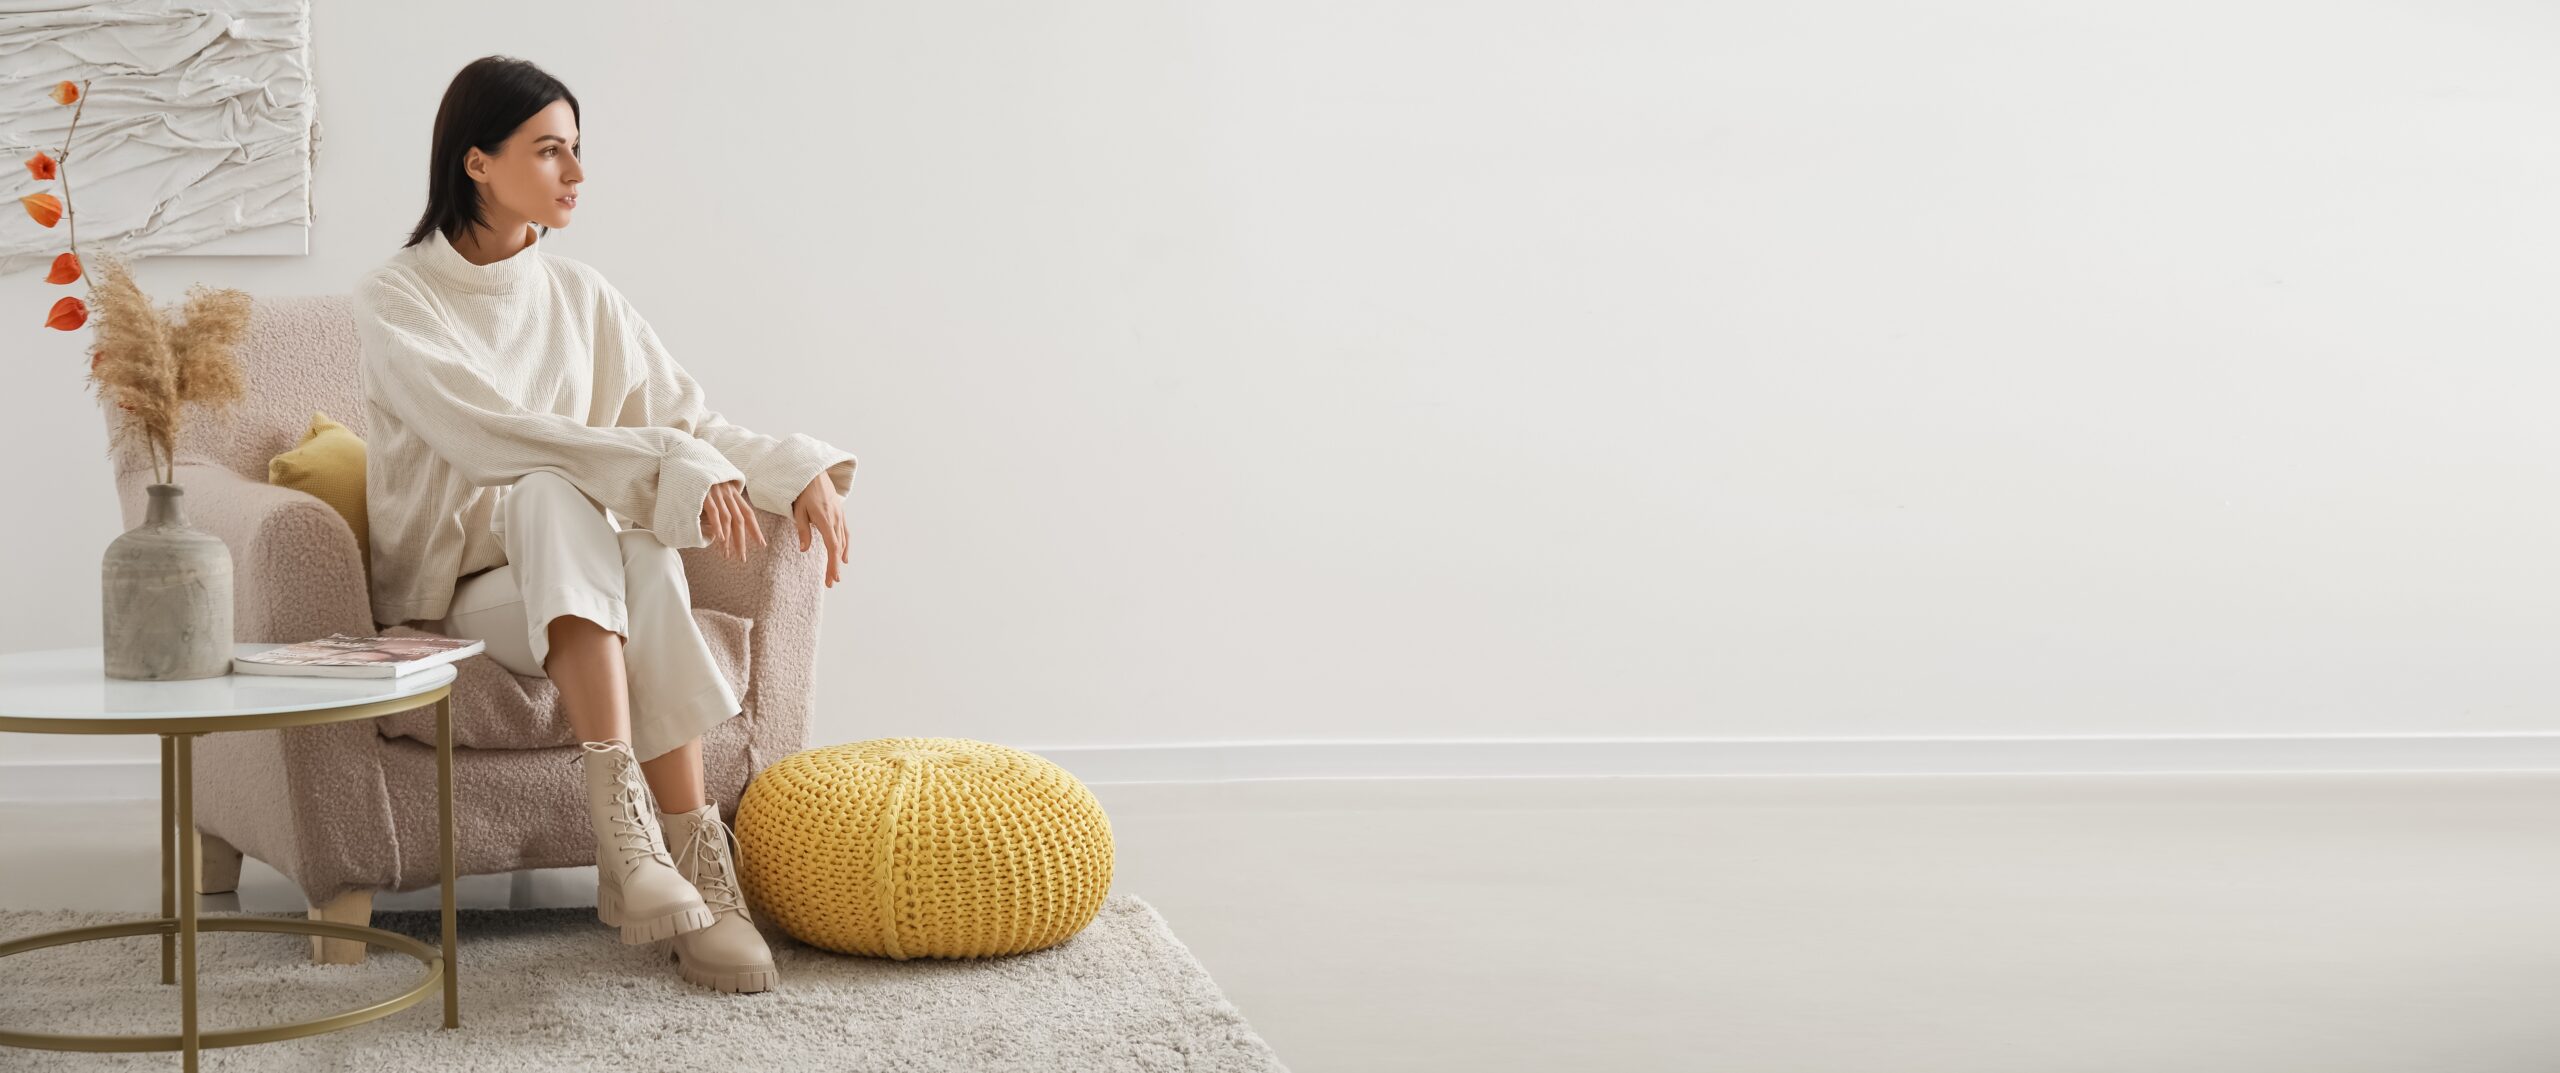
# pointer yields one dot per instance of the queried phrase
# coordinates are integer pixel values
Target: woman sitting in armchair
(538, 459)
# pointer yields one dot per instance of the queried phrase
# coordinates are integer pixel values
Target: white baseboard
(1211, 762)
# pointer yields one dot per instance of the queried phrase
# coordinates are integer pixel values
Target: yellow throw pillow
(329, 464)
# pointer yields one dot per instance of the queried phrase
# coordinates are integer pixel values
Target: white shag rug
(551, 989)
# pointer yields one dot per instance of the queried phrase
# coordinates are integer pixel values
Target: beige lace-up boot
(731, 954)
(637, 886)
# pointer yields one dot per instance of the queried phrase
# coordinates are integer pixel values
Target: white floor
(2401, 923)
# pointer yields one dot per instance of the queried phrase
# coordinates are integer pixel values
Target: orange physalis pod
(68, 314)
(40, 166)
(66, 267)
(65, 92)
(45, 208)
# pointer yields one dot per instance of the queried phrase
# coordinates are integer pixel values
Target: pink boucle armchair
(346, 810)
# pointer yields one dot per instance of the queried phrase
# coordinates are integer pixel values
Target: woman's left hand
(819, 507)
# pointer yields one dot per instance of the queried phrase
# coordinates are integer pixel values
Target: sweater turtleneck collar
(437, 255)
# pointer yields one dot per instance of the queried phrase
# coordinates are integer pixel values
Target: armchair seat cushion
(495, 708)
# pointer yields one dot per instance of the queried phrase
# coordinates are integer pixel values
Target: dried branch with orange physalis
(68, 312)
(154, 367)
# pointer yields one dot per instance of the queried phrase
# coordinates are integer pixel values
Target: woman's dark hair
(489, 98)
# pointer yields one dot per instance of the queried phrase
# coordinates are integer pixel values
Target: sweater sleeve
(416, 368)
(777, 468)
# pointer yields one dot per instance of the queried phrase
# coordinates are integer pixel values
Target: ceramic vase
(167, 592)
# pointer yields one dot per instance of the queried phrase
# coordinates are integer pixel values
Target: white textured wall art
(199, 134)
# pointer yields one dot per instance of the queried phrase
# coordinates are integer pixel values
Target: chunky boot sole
(634, 932)
(745, 979)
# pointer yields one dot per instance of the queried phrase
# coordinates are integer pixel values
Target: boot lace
(631, 826)
(709, 861)
(630, 819)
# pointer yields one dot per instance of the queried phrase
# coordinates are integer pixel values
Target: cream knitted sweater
(475, 375)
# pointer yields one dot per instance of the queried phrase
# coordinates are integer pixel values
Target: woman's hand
(730, 519)
(819, 507)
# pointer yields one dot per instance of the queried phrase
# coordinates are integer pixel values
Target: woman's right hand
(729, 519)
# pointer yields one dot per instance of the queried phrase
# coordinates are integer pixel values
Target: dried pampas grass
(153, 366)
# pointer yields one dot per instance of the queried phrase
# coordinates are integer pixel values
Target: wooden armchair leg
(353, 907)
(217, 865)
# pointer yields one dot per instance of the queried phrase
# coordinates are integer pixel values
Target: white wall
(1397, 370)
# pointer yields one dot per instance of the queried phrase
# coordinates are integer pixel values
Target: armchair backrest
(298, 355)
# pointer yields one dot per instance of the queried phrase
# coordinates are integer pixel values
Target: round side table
(67, 691)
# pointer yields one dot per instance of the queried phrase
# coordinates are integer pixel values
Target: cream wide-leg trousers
(568, 555)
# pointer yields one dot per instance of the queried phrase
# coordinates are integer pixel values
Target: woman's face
(534, 176)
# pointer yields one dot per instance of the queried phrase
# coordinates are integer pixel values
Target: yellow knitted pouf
(923, 847)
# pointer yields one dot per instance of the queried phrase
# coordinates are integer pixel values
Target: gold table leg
(444, 825)
(168, 856)
(185, 787)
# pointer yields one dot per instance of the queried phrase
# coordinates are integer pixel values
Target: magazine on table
(341, 655)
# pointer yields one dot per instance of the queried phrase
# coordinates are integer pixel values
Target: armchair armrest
(295, 568)
(311, 800)
(778, 586)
